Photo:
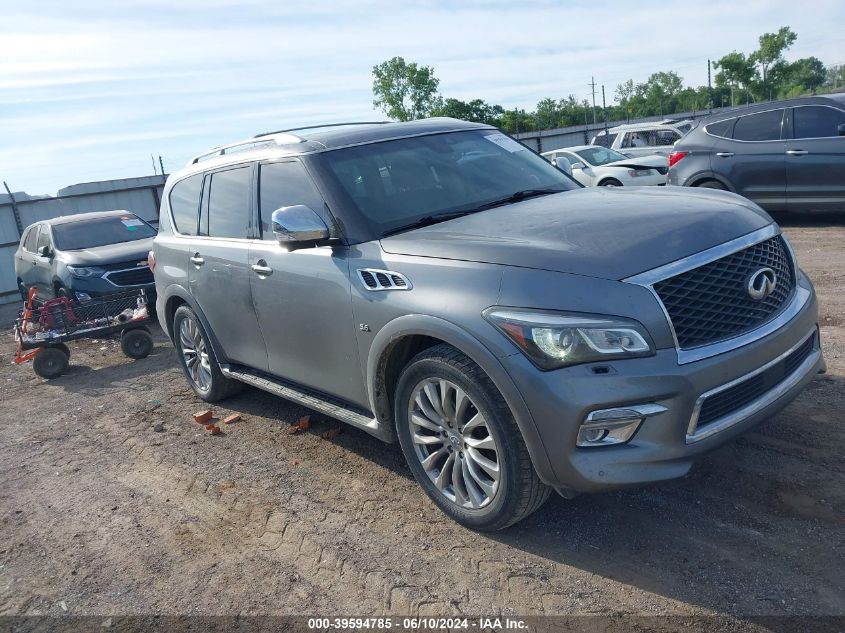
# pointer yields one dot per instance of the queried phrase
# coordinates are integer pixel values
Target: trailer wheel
(50, 362)
(137, 343)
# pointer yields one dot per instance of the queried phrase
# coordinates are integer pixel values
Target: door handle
(262, 268)
(797, 152)
(724, 154)
(197, 260)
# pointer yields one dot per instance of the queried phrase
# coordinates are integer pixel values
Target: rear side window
(817, 121)
(284, 185)
(29, 242)
(605, 140)
(764, 126)
(721, 129)
(229, 203)
(43, 238)
(185, 203)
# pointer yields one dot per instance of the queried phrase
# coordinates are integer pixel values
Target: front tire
(462, 443)
(51, 362)
(610, 182)
(197, 358)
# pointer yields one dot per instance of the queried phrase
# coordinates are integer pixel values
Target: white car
(640, 139)
(593, 165)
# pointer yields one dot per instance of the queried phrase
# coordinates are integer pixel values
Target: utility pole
(592, 85)
(604, 111)
(709, 90)
(161, 163)
(153, 161)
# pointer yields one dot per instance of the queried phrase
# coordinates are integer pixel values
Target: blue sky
(88, 90)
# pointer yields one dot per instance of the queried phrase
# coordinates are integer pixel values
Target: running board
(306, 397)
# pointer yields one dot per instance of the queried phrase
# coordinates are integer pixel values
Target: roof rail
(279, 138)
(315, 127)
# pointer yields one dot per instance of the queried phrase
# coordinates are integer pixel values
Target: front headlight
(559, 339)
(86, 271)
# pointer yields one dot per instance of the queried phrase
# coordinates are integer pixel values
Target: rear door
(219, 274)
(43, 269)
(26, 257)
(815, 159)
(754, 160)
(303, 297)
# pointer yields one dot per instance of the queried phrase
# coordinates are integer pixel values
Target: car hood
(135, 251)
(641, 161)
(611, 233)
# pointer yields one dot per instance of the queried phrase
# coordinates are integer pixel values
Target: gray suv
(785, 156)
(437, 284)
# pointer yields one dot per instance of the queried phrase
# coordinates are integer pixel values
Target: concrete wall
(141, 196)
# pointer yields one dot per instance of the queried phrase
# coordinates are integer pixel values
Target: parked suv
(439, 284)
(639, 139)
(785, 156)
(85, 256)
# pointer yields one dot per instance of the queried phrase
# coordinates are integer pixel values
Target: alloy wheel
(195, 353)
(453, 443)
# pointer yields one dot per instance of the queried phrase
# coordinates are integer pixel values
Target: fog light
(606, 427)
(83, 296)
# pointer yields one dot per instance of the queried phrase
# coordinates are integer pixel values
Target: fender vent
(374, 279)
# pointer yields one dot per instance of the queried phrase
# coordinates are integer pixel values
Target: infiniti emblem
(761, 284)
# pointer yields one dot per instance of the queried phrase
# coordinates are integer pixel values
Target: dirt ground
(101, 515)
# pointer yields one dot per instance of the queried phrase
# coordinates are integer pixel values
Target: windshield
(600, 155)
(113, 229)
(396, 183)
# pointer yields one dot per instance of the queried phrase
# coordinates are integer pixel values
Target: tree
(477, 110)
(405, 91)
(735, 71)
(772, 47)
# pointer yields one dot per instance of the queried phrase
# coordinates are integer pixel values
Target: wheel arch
(702, 177)
(177, 296)
(401, 339)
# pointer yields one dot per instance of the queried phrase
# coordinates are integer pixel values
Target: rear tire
(481, 476)
(136, 343)
(197, 358)
(50, 362)
(712, 184)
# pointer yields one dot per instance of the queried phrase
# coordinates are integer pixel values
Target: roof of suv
(839, 98)
(321, 138)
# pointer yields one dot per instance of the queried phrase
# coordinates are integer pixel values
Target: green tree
(405, 91)
(476, 110)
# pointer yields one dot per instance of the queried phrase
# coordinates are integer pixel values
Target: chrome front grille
(711, 303)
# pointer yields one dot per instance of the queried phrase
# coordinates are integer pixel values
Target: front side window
(817, 121)
(229, 203)
(185, 203)
(29, 242)
(395, 183)
(43, 238)
(94, 232)
(764, 126)
(285, 185)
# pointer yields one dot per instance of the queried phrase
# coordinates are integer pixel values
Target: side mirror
(578, 165)
(841, 129)
(297, 224)
(44, 251)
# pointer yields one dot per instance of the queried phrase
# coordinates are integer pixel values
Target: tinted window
(229, 203)
(184, 204)
(721, 128)
(817, 121)
(605, 140)
(764, 126)
(396, 183)
(29, 242)
(94, 232)
(284, 185)
(43, 238)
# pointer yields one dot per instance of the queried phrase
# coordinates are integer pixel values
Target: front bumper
(98, 287)
(663, 447)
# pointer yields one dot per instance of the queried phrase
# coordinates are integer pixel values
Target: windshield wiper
(428, 220)
(517, 196)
